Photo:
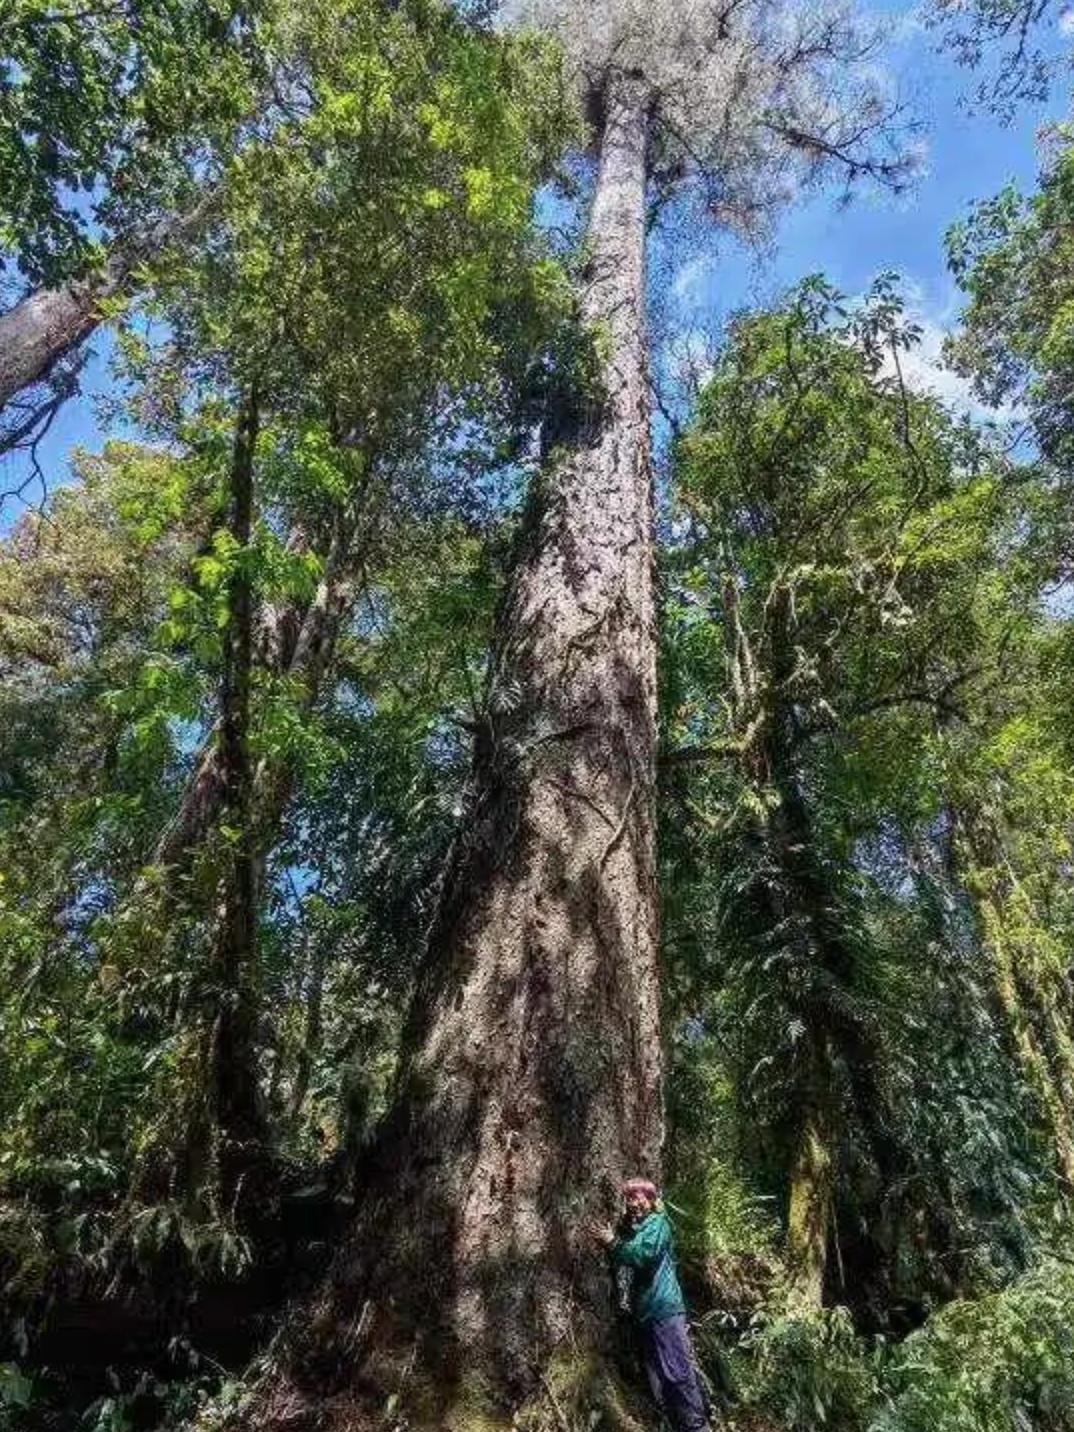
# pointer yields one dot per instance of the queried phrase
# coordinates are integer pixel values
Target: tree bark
(50, 323)
(312, 1032)
(234, 1067)
(804, 908)
(530, 1078)
(812, 1185)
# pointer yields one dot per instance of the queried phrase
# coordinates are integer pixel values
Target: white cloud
(1066, 22)
(689, 279)
(906, 28)
(923, 367)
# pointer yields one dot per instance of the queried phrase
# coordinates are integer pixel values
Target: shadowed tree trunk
(226, 1126)
(234, 1066)
(797, 897)
(812, 1181)
(313, 1027)
(530, 1079)
(50, 323)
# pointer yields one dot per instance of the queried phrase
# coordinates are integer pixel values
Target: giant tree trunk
(530, 1079)
(797, 898)
(50, 323)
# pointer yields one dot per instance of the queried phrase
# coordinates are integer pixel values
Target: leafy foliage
(1011, 257)
(101, 123)
(841, 644)
(865, 780)
(999, 1364)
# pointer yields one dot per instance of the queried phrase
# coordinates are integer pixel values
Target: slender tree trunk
(234, 1070)
(294, 640)
(812, 1184)
(225, 1131)
(313, 1029)
(50, 323)
(530, 1079)
(199, 807)
(993, 884)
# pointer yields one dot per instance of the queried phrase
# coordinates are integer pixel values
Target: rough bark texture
(49, 324)
(531, 1073)
(45, 327)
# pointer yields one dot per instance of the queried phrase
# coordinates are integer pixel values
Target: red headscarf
(643, 1186)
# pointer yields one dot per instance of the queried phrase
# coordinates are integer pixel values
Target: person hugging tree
(643, 1244)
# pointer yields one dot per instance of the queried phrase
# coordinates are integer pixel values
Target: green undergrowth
(1003, 1362)
(999, 1363)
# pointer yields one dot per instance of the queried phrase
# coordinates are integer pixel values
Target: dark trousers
(669, 1366)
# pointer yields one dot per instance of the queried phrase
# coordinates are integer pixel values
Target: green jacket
(647, 1249)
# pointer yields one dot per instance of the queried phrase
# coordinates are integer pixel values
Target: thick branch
(49, 324)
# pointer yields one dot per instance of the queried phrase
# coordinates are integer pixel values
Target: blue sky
(966, 157)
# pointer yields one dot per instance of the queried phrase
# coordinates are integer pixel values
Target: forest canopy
(457, 755)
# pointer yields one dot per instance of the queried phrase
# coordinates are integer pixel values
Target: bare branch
(743, 93)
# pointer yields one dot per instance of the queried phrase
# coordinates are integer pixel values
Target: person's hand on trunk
(602, 1233)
